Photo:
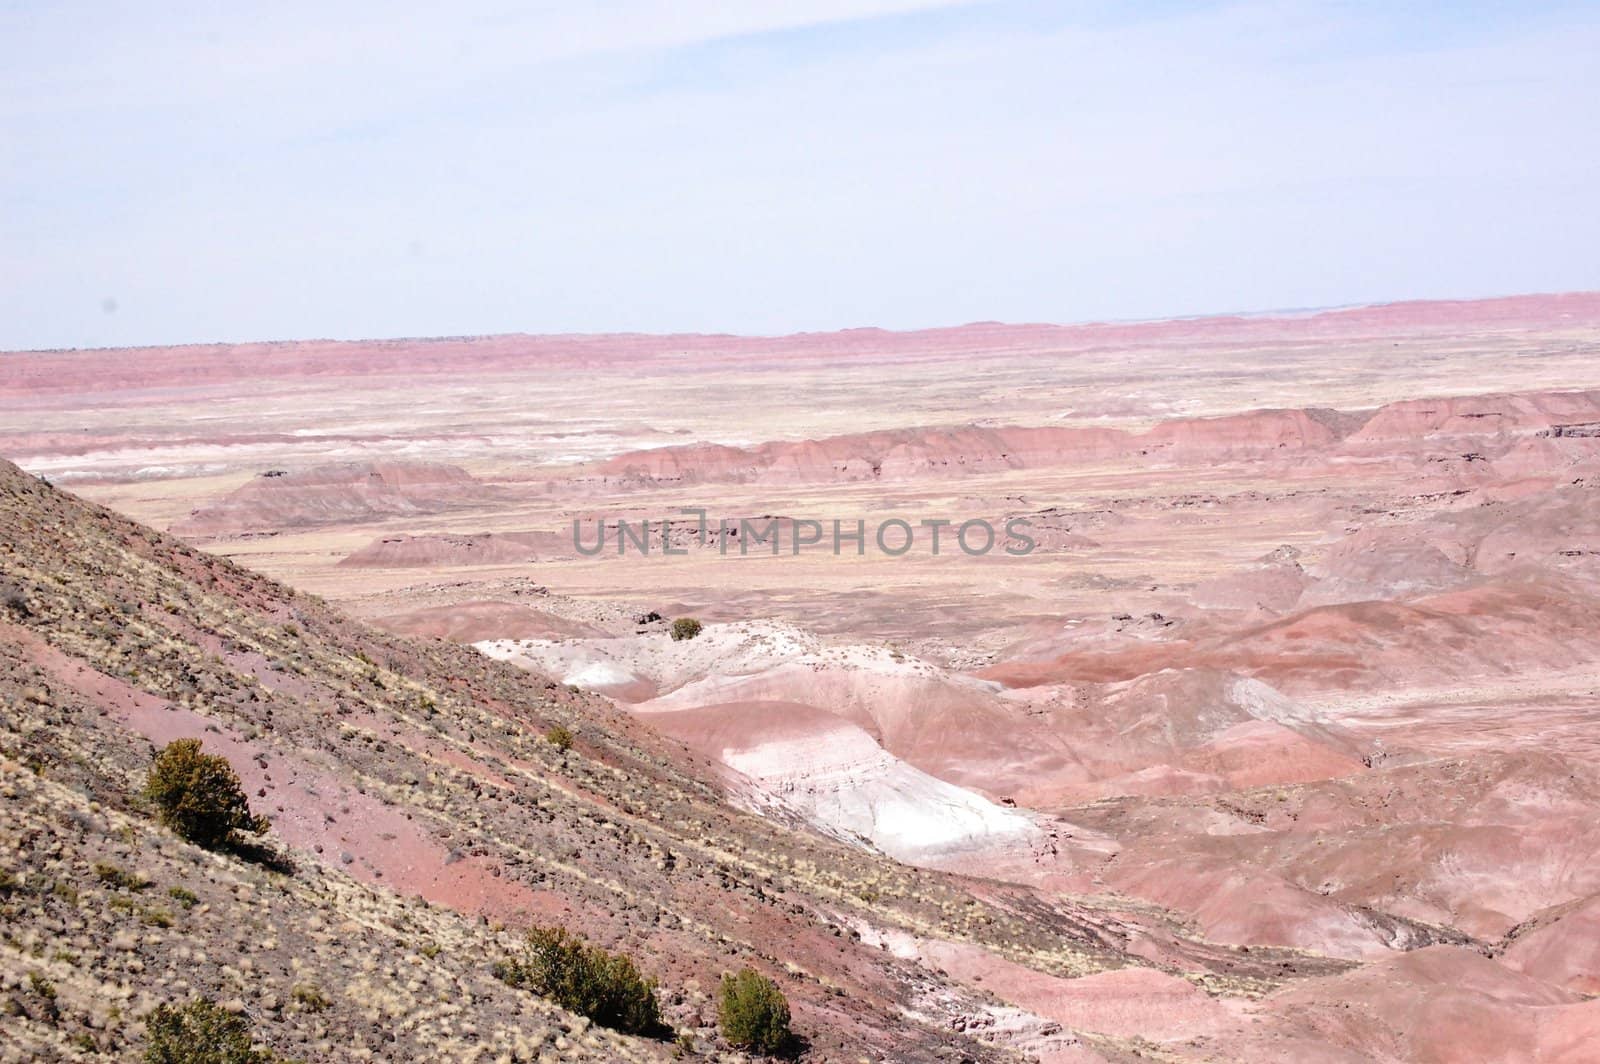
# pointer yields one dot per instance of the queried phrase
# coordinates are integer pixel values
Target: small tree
(685, 628)
(559, 736)
(603, 986)
(199, 1033)
(753, 1013)
(199, 797)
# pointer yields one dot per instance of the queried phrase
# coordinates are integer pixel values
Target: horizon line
(1280, 313)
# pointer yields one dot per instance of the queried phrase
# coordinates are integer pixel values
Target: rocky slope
(426, 820)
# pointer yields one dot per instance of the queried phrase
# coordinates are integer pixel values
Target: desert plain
(1304, 659)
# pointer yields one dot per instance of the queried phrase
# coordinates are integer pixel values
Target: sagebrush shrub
(199, 1033)
(310, 997)
(198, 796)
(585, 979)
(753, 1013)
(685, 628)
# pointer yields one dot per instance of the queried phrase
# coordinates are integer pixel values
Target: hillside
(427, 822)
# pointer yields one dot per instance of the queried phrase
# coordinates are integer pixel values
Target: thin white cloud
(92, 53)
(616, 168)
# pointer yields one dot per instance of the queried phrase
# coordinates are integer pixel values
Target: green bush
(118, 878)
(685, 628)
(753, 1013)
(199, 1033)
(45, 991)
(311, 998)
(199, 797)
(560, 736)
(584, 979)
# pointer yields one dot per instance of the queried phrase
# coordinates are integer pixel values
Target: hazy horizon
(362, 173)
(1268, 312)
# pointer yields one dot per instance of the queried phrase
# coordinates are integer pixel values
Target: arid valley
(1282, 742)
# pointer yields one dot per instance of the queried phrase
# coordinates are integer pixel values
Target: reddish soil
(1291, 714)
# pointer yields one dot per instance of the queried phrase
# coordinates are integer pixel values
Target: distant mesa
(1457, 431)
(193, 365)
(337, 493)
(442, 550)
(1542, 413)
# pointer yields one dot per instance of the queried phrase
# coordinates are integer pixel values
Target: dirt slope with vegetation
(420, 821)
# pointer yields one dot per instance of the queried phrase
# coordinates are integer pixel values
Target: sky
(196, 172)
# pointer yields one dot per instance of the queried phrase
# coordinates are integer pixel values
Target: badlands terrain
(1281, 744)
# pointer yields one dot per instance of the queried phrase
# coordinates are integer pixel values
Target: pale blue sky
(178, 172)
